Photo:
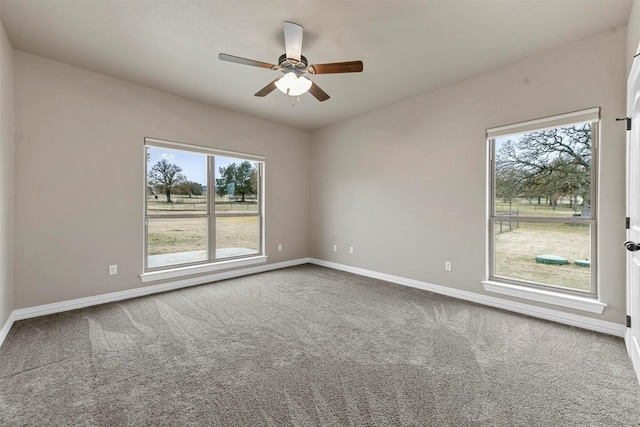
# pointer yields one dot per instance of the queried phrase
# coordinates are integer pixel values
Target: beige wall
(7, 170)
(405, 185)
(80, 180)
(633, 34)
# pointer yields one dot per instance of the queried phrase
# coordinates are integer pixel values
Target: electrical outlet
(447, 265)
(113, 269)
(335, 248)
(279, 247)
(351, 250)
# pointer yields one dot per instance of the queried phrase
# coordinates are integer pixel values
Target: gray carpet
(310, 346)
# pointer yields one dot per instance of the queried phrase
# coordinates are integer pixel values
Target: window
(542, 221)
(201, 206)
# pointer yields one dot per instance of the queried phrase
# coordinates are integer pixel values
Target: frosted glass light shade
(292, 85)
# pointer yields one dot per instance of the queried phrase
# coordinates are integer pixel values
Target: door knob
(632, 246)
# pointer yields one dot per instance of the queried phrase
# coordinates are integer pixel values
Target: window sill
(172, 273)
(591, 305)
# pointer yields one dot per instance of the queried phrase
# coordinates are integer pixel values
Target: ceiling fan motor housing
(290, 65)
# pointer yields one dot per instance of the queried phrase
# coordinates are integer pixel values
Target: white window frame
(212, 263)
(581, 300)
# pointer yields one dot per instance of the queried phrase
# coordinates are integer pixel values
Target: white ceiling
(408, 47)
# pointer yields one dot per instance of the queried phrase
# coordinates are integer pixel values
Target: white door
(632, 334)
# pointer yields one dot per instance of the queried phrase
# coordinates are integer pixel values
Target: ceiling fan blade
(245, 61)
(318, 93)
(293, 40)
(268, 88)
(336, 67)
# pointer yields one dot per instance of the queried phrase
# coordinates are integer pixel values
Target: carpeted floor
(310, 346)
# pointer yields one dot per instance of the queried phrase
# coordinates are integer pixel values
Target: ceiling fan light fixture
(292, 85)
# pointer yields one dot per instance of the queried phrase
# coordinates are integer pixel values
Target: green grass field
(516, 250)
(197, 205)
(174, 235)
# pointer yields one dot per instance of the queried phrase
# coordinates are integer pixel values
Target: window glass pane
(237, 235)
(548, 171)
(176, 182)
(236, 186)
(556, 254)
(176, 241)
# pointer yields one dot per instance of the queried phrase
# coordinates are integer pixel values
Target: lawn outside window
(542, 223)
(203, 209)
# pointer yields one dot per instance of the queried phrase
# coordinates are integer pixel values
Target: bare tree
(508, 185)
(550, 163)
(165, 176)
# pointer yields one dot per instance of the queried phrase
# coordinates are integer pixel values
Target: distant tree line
(239, 180)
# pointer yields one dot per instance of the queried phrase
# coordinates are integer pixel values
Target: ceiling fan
(294, 65)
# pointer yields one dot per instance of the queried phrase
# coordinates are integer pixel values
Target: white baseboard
(518, 307)
(543, 313)
(4, 331)
(58, 307)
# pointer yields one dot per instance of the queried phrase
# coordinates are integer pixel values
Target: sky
(194, 165)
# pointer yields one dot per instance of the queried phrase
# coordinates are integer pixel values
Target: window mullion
(211, 195)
